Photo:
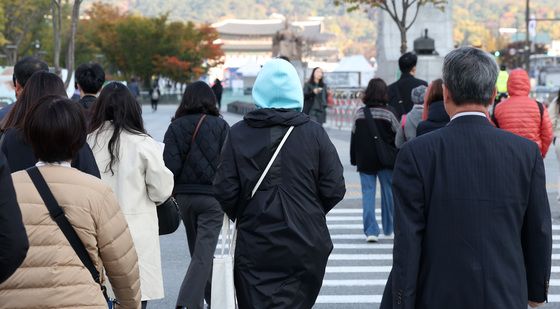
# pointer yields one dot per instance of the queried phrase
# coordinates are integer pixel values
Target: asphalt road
(357, 271)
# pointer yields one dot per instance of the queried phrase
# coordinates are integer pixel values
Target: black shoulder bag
(387, 154)
(57, 214)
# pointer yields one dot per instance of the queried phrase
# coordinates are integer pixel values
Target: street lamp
(37, 44)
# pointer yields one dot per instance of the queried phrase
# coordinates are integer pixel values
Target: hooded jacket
(521, 115)
(283, 242)
(408, 131)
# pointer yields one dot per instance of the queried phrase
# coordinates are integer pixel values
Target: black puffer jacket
(194, 176)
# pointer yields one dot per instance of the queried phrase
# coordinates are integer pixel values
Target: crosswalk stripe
(349, 211)
(382, 282)
(381, 269)
(358, 269)
(378, 257)
(349, 299)
(355, 282)
(360, 257)
(376, 299)
(555, 227)
(378, 246)
(346, 218)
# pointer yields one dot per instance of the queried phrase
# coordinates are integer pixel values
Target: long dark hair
(39, 85)
(436, 92)
(312, 77)
(117, 105)
(197, 99)
(376, 93)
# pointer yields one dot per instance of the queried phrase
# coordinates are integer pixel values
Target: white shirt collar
(468, 114)
(63, 164)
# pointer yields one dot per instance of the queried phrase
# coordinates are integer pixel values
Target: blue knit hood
(278, 86)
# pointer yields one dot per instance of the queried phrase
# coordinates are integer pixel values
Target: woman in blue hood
(283, 242)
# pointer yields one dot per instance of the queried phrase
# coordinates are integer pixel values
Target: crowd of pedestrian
(462, 189)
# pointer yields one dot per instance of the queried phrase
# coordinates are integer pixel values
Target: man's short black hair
(26, 67)
(56, 129)
(407, 62)
(90, 77)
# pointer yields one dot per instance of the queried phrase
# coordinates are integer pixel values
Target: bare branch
(415, 17)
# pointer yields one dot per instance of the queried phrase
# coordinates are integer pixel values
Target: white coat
(141, 181)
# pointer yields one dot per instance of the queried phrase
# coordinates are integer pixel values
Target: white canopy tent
(359, 68)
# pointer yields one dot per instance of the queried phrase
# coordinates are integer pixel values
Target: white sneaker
(391, 236)
(372, 238)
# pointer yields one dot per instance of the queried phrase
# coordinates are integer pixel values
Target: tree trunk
(404, 43)
(72, 42)
(56, 8)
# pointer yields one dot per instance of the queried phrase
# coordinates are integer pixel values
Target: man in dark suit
(472, 220)
(400, 91)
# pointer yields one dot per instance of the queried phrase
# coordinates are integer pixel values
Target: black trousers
(154, 104)
(202, 217)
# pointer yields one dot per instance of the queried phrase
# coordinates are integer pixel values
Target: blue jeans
(368, 202)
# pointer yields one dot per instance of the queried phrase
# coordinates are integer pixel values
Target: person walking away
(367, 158)
(283, 242)
(90, 77)
(315, 97)
(472, 219)
(409, 123)
(554, 114)
(155, 95)
(501, 83)
(23, 70)
(435, 116)
(401, 90)
(15, 147)
(53, 275)
(134, 88)
(132, 165)
(218, 90)
(13, 239)
(193, 143)
(522, 115)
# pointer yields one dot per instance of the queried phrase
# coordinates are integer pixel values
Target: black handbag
(57, 214)
(387, 154)
(169, 216)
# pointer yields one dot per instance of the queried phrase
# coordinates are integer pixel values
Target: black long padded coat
(283, 242)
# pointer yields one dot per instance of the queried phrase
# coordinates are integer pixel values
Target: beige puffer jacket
(52, 275)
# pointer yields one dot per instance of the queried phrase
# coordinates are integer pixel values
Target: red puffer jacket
(520, 114)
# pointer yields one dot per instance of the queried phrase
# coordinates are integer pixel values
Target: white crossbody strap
(272, 161)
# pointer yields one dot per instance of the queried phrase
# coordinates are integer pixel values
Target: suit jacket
(400, 93)
(472, 220)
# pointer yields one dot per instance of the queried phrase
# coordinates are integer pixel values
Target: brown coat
(52, 275)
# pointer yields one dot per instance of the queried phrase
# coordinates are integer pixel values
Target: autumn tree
(402, 12)
(141, 46)
(192, 51)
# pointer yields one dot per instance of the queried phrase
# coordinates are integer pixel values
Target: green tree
(404, 15)
(22, 20)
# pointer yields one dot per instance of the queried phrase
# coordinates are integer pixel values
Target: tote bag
(223, 286)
